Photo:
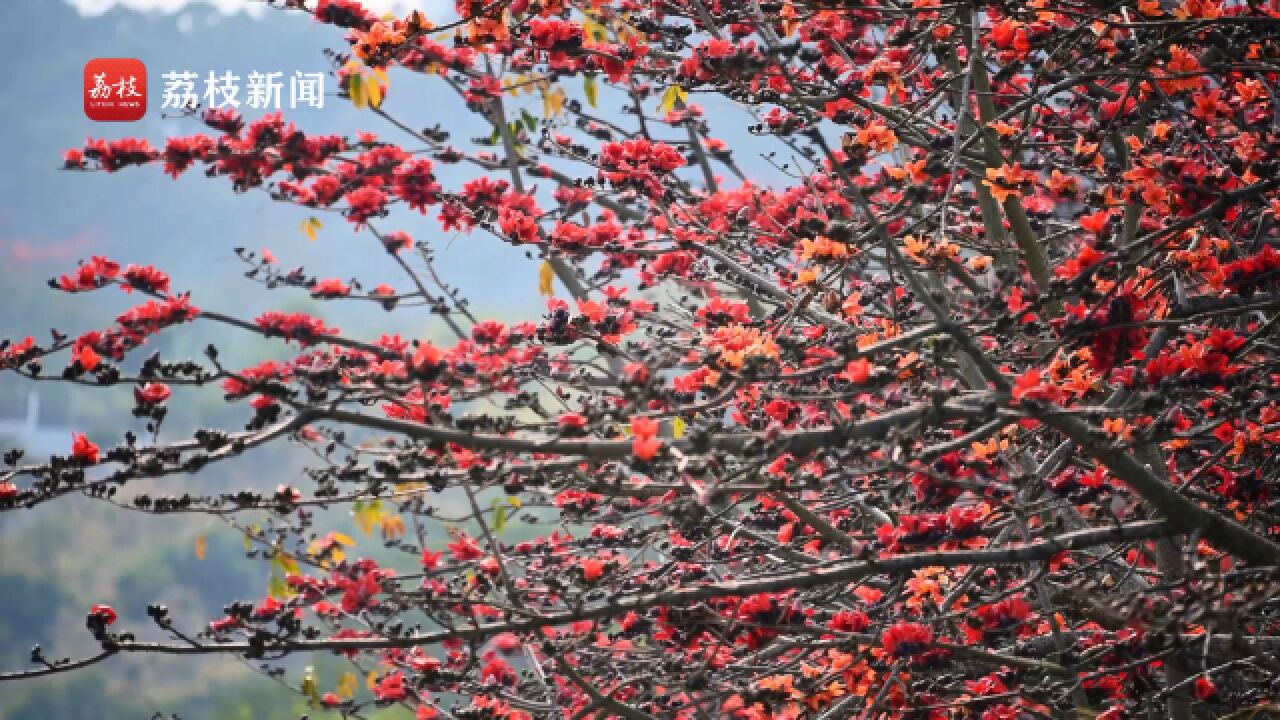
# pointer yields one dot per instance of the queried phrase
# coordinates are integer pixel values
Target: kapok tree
(969, 410)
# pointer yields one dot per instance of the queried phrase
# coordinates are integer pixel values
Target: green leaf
(278, 588)
(499, 518)
(589, 89)
(309, 687)
(530, 122)
(355, 88)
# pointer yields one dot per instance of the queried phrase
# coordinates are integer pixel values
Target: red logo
(115, 89)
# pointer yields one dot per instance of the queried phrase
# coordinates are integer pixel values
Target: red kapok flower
(391, 687)
(465, 548)
(592, 569)
(858, 371)
(87, 357)
(906, 639)
(644, 427)
(83, 450)
(506, 642)
(330, 288)
(146, 277)
(430, 560)
(151, 394)
(636, 373)
(396, 241)
(489, 566)
(426, 356)
(645, 447)
(849, 621)
(572, 423)
(365, 202)
(105, 613)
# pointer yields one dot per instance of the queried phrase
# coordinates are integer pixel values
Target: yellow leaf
(546, 279)
(625, 32)
(553, 102)
(594, 31)
(514, 502)
(673, 98)
(518, 84)
(347, 685)
(355, 88)
(367, 515)
(343, 539)
(789, 21)
(202, 546)
(392, 527)
(310, 226)
(677, 428)
(375, 92)
(285, 562)
(371, 682)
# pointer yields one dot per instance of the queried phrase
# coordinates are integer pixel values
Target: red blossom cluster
(301, 327)
(639, 163)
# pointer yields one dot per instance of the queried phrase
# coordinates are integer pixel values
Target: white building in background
(27, 433)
